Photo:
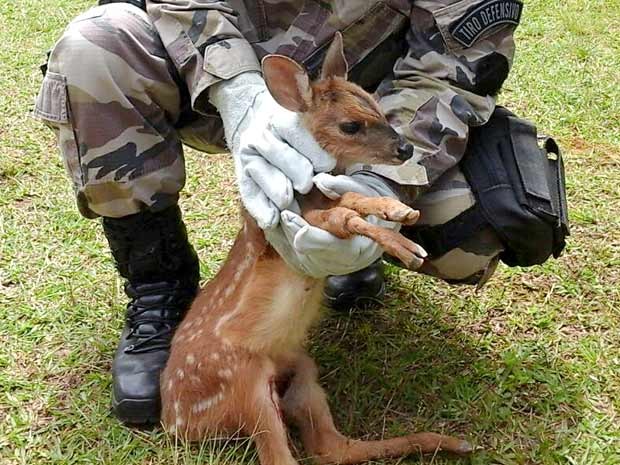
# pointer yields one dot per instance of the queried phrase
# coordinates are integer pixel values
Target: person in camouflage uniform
(129, 83)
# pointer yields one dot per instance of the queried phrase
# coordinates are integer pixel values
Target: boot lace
(153, 314)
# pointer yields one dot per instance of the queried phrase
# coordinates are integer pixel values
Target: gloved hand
(316, 252)
(274, 154)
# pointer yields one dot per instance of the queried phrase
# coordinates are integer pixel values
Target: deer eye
(352, 127)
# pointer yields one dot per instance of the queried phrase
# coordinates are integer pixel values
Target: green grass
(528, 368)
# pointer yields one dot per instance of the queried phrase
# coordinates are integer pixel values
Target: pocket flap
(51, 103)
(531, 162)
(229, 57)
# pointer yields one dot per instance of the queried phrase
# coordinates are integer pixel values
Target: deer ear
(288, 82)
(335, 63)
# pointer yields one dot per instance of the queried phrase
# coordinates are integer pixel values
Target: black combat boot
(361, 289)
(153, 254)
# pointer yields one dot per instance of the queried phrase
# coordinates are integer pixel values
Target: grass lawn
(528, 368)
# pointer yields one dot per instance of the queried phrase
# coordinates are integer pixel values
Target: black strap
(139, 3)
(440, 239)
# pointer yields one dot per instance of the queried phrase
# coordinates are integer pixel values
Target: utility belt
(519, 189)
(138, 3)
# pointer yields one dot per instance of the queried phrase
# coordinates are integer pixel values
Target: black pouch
(519, 189)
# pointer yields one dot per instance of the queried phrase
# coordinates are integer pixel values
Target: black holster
(520, 192)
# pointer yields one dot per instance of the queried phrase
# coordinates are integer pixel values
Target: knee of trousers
(476, 257)
(473, 262)
(119, 148)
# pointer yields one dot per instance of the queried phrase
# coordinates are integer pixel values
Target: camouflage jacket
(435, 65)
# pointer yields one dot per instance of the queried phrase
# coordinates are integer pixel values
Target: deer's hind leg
(236, 394)
(304, 404)
(265, 422)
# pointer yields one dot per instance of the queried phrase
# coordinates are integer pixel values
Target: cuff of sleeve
(224, 60)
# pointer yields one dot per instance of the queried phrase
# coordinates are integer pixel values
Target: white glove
(316, 252)
(274, 154)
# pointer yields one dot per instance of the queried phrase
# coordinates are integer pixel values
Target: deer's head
(344, 119)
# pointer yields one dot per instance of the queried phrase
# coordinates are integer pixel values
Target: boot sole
(138, 412)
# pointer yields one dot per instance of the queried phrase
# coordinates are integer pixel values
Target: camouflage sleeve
(459, 53)
(203, 40)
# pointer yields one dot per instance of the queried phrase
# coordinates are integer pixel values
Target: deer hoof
(466, 448)
(404, 215)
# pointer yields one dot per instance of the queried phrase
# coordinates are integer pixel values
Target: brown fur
(336, 99)
(237, 362)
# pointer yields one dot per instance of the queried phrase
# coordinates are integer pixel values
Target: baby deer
(237, 362)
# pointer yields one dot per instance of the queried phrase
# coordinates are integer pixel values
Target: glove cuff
(234, 98)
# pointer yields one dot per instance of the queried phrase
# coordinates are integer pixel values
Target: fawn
(237, 362)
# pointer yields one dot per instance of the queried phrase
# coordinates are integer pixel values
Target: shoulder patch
(485, 17)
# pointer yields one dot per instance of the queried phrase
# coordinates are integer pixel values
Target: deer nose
(405, 151)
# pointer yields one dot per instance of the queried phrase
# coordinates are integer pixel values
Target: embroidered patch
(484, 18)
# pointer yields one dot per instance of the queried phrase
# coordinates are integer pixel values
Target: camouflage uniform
(125, 88)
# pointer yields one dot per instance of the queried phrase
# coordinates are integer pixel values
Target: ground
(528, 368)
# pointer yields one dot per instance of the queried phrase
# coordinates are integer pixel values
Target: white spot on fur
(207, 403)
(170, 384)
(190, 359)
(177, 407)
(179, 422)
(225, 373)
(222, 321)
(180, 373)
(215, 356)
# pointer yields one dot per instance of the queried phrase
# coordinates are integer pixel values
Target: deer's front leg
(334, 220)
(386, 208)
(344, 223)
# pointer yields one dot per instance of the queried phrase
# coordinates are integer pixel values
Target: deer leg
(257, 406)
(305, 405)
(344, 223)
(334, 220)
(236, 393)
(386, 208)
(395, 244)
(269, 432)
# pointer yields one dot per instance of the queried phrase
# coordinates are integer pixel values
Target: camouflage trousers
(121, 115)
